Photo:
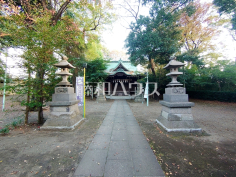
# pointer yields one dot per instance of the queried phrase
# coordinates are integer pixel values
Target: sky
(115, 39)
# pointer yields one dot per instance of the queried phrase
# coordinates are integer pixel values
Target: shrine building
(120, 75)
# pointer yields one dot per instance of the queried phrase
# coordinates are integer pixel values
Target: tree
(228, 7)
(153, 40)
(42, 30)
(197, 32)
(95, 70)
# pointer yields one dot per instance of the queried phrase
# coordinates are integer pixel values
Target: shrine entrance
(121, 75)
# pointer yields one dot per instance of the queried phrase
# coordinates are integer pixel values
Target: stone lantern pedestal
(100, 93)
(176, 115)
(64, 110)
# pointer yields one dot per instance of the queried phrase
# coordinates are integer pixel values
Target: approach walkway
(119, 149)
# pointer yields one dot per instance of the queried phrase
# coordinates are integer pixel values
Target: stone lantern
(64, 110)
(176, 115)
(174, 65)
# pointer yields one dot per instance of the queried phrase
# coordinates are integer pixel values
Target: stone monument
(139, 98)
(176, 115)
(64, 110)
(100, 93)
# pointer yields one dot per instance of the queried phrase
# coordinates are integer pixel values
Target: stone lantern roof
(65, 66)
(173, 65)
(64, 63)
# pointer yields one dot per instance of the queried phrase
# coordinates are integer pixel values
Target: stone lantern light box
(64, 110)
(176, 114)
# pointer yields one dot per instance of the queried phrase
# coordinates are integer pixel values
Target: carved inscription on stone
(178, 90)
(61, 90)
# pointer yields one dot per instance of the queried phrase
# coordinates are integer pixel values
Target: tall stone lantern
(176, 115)
(64, 110)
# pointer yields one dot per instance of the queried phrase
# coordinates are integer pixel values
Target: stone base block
(175, 98)
(177, 104)
(139, 98)
(178, 126)
(101, 98)
(175, 91)
(177, 114)
(63, 118)
(64, 97)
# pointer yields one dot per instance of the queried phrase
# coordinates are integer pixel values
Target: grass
(14, 124)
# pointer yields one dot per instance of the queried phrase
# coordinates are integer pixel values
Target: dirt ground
(27, 151)
(211, 154)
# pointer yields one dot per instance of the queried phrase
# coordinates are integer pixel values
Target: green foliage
(150, 40)
(191, 56)
(4, 130)
(42, 30)
(16, 122)
(155, 38)
(227, 7)
(213, 95)
(220, 76)
(95, 70)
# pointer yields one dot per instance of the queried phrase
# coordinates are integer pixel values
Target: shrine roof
(126, 67)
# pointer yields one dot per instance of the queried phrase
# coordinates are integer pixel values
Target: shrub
(213, 95)
(4, 130)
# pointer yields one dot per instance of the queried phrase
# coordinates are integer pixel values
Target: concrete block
(119, 168)
(145, 163)
(63, 90)
(177, 104)
(92, 164)
(63, 118)
(175, 90)
(119, 150)
(138, 142)
(178, 126)
(175, 98)
(119, 135)
(101, 98)
(177, 110)
(164, 114)
(104, 130)
(62, 103)
(100, 142)
(174, 117)
(63, 97)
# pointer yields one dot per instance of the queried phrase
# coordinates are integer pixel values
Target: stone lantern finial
(65, 58)
(172, 58)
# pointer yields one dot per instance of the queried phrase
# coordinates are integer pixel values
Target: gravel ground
(212, 153)
(217, 118)
(26, 151)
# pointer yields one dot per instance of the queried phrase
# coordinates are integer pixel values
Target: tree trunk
(75, 74)
(40, 95)
(28, 99)
(151, 61)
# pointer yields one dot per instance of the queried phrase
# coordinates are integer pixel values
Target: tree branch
(62, 9)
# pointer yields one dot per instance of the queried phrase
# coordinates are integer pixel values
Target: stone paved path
(119, 148)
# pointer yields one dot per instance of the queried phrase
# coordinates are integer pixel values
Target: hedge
(213, 95)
